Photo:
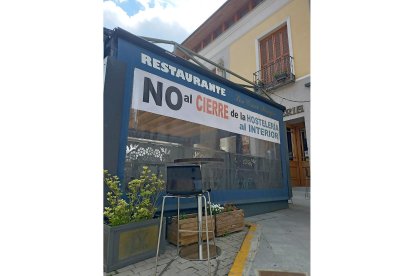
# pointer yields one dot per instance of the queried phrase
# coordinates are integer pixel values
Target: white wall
(296, 91)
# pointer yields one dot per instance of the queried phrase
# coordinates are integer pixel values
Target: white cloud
(172, 20)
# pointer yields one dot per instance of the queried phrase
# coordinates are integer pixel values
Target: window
(304, 144)
(155, 140)
(289, 141)
(274, 55)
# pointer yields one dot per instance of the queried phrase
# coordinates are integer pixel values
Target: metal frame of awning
(192, 55)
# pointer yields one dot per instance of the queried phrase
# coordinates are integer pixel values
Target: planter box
(131, 243)
(189, 223)
(229, 222)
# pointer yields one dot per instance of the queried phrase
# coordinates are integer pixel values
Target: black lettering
(157, 96)
(234, 114)
(168, 93)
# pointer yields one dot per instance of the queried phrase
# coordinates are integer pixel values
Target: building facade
(160, 109)
(267, 42)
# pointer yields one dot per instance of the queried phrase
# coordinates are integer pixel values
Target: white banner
(154, 94)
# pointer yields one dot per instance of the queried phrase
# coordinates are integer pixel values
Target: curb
(247, 251)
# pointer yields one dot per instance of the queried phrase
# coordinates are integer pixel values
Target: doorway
(298, 155)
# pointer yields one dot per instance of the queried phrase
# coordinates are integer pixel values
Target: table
(189, 253)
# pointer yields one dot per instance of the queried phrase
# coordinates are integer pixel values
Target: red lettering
(226, 112)
(199, 107)
(220, 110)
(212, 107)
(209, 106)
(215, 108)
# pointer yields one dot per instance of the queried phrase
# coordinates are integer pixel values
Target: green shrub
(143, 194)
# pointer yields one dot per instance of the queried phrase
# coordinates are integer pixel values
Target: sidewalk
(281, 241)
(169, 264)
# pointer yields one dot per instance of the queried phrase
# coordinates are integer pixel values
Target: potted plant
(260, 83)
(280, 76)
(228, 219)
(130, 229)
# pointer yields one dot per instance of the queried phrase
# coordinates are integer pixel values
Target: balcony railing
(275, 74)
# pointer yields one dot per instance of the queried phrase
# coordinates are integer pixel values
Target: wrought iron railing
(275, 74)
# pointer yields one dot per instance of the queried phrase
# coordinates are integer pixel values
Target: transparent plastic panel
(155, 140)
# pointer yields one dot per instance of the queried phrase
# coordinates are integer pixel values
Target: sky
(165, 19)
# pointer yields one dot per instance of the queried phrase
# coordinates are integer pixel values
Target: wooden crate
(189, 223)
(229, 222)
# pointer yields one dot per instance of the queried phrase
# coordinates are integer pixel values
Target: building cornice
(247, 23)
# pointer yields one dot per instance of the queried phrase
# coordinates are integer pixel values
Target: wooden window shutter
(274, 53)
